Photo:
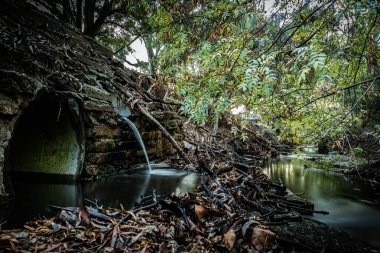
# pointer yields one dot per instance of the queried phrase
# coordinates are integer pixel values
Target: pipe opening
(47, 141)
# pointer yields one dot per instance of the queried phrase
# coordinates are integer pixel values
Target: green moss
(112, 144)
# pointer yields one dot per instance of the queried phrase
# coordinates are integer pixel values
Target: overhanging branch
(335, 92)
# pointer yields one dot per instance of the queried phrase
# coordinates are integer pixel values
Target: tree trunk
(89, 16)
(102, 16)
(151, 56)
(67, 11)
(79, 15)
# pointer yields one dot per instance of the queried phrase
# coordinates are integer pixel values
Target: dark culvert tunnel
(48, 140)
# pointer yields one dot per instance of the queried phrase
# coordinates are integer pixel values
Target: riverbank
(356, 168)
(369, 172)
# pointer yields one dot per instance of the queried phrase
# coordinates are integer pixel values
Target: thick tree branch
(365, 43)
(335, 92)
(165, 133)
(89, 16)
(79, 15)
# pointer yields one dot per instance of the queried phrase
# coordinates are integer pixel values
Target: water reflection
(353, 206)
(34, 197)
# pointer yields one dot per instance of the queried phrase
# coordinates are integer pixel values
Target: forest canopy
(307, 69)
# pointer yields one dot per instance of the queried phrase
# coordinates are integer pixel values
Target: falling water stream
(139, 139)
(124, 112)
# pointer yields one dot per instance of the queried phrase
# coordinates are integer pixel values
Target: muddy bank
(369, 172)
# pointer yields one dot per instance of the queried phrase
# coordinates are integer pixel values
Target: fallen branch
(303, 210)
(164, 132)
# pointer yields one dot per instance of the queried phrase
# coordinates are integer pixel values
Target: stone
(18, 82)
(167, 147)
(8, 106)
(1, 154)
(149, 136)
(91, 170)
(5, 134)
(159, 115)
(103, 131)
(150, 151)
(97, 105)
(109, 118)
(95, 92)
(101, 145)
(97, 158)
(171, 125)
(107, 157)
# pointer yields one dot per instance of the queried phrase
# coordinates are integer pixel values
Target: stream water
(354, 207)
(33, 197)
(139, 139)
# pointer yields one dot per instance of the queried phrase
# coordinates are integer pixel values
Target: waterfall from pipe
(139, 139)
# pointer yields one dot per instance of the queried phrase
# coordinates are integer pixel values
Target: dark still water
(34, 197)
(354, 207)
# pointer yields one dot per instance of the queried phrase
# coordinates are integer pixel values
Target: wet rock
(150, 151)
(108, 157)
(102, 145)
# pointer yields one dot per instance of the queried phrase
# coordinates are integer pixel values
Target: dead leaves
(212, 219)
(84, 214)
(229, 238)
(262, 237)
(200, 211)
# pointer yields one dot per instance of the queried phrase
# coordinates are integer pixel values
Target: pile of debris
(229, 212)
(234, 210)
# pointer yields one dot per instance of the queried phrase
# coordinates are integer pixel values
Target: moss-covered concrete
(45, 140)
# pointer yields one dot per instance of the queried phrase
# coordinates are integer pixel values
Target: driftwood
(91, 211)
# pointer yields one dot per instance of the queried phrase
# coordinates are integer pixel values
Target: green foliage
(295, 64)
(326, 164)
(292, 67)
(358, 152)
